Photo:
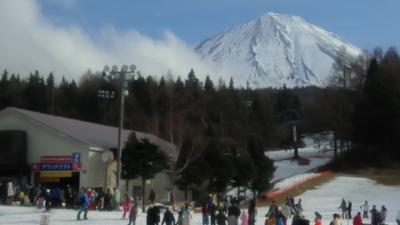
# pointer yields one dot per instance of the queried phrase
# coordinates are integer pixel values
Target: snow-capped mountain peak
(275, 49)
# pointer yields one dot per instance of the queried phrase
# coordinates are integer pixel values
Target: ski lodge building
(37, 148)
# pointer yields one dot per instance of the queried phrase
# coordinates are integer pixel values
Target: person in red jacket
(357, 220)
(318, 218)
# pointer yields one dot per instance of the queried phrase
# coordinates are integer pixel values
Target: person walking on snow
(365, 208)
(374, 216)
(84, 203)
(126, 205)
(349, 206)
(357, 220)
(383, 215)
(343, 207)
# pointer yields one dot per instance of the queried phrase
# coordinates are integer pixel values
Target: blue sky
(365, 23)
(68, 37)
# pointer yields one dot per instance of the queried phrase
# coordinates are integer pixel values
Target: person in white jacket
(365, 208)
(398, 218)
(10, 193)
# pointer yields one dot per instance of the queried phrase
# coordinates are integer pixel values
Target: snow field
(324, 199)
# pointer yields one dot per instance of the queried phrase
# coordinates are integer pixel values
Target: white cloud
(29, 41)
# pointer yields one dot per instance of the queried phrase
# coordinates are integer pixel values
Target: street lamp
(122, 76)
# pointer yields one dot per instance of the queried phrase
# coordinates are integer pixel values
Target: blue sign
(76, 157)
(55, 166)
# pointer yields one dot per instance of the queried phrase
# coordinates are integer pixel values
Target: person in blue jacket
(84, 203)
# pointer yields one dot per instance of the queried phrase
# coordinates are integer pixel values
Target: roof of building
(92, 134)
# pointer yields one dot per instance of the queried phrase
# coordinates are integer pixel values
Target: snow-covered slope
(274, 50)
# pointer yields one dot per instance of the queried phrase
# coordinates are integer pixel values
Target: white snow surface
(273, 50)
(324, 199)
(319, 153)
(288, 182)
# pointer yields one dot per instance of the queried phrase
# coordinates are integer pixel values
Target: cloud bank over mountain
(30, 41)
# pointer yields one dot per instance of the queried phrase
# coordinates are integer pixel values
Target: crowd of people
(228, 214)
(53, 196)
(279, 216)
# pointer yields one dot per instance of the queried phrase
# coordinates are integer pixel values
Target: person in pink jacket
(244, 218)
(126, 205)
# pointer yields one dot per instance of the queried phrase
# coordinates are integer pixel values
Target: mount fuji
(275, 50)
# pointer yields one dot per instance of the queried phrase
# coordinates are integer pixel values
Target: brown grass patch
(388, 176)
(300, 189)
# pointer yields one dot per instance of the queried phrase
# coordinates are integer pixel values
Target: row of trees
(222, 131)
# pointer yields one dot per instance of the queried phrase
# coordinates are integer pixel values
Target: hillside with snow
(273, 50)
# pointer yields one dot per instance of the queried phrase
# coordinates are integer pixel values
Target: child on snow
(357, 220)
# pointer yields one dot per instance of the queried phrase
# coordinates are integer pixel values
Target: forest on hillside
(361, 105)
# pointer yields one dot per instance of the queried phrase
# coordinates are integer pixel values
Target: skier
(84, 203)
(365, 208)
(244, 218)
(169, 218)
(357, 220)
(349, 206)
(398, 218)
(132, 214)
(343, 207)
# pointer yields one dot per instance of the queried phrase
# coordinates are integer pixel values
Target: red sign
(55, 159)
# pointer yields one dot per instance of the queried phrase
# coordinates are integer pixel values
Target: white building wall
(161, 184)
(42, 141)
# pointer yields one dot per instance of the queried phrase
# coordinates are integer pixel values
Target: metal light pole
(122, 88)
